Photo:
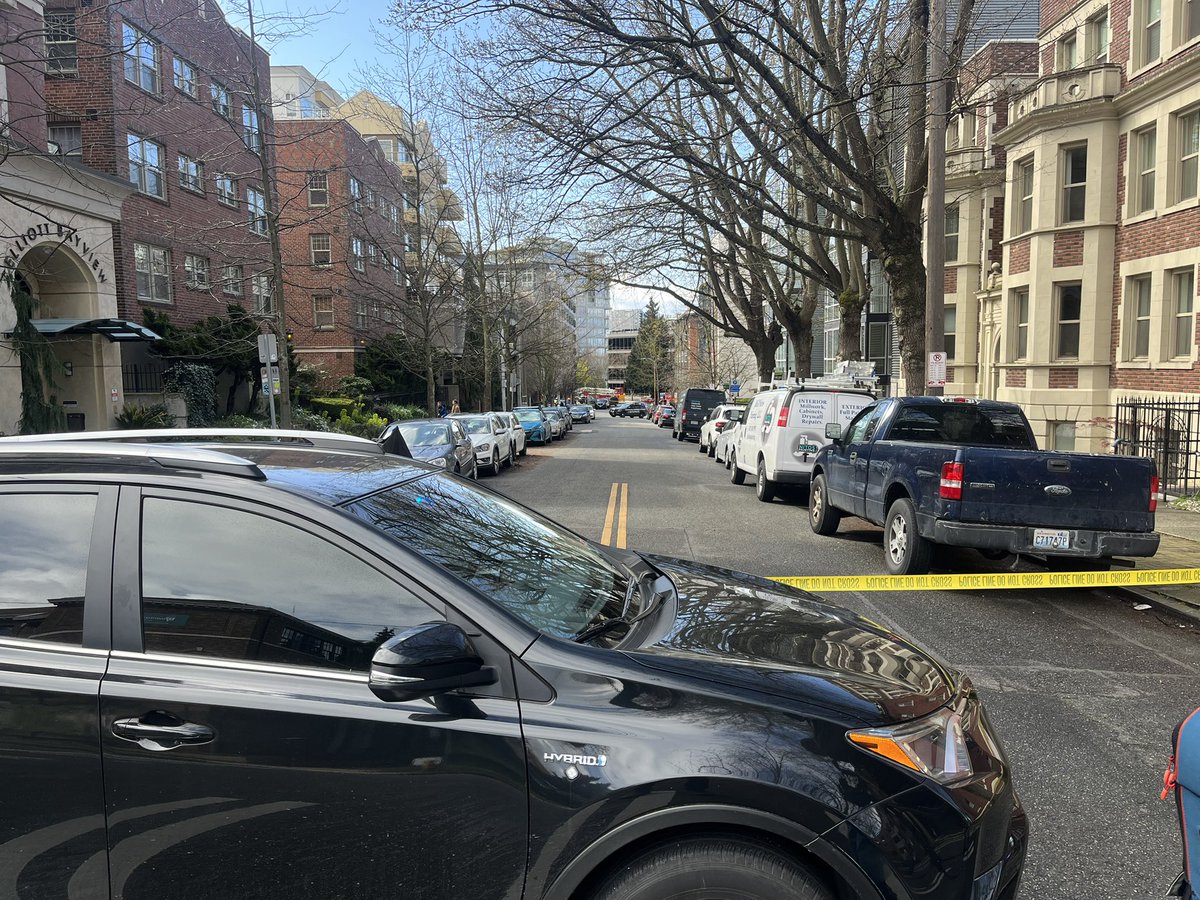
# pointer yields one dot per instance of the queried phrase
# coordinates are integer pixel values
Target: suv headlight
(934, 746)
(484, 446)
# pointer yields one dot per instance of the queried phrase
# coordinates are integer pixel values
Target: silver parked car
(442, 442)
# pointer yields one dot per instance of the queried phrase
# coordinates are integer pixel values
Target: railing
(142, 379)
(1062, 88)
(1166, 430)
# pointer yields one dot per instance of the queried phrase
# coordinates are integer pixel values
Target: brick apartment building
(345, 211)
(162, 95)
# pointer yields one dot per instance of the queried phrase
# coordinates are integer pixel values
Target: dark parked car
(634, 410)
(373, 674)
(581, 412)
(693, 408)
(602, 403)
(442, 442)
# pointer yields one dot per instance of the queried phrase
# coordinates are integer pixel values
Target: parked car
(275, 652)
(493, 449)
(558, 425)
(784, 429)
(509, 437)
(723, 452)
(944, 470)
(516, 432)
(718, 420)
(664, 415)
(533, 421)
(634, 410)
(615, 409)
(565, 412)
(603, 403)
(694, 406)
(581, 412)
(440, 442)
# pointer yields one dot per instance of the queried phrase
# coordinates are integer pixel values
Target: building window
(1070, 300)
(221, 103)
(231, 280)
(1021, 318)
(145, 166)
(323, 312)
(950, 330)
(388, 147)
(1189, 154)
(321, 249)
(1068, 51)
(185, 78)
(394, 214)
(1139, 303)
(952, 233)
(227, 190)
(373, 254)
(1074, 181)
(355, 194)
(195, 271)
(357, 252)
(251, 134)
(1062, 436)
(1023, 181)
(141, 59)
(1097, 37)
(65, 140)
(191, 173)
(1150, 45)
(397, 269)
(256, 210)
(318, 189)
(360, 314)
(1191, 20)
(370, 198)
(153, 267)
(1183, 301)
(260, 294)
(1144, 156)
(62, 55)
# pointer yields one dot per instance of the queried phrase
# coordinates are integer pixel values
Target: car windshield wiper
(623, 619)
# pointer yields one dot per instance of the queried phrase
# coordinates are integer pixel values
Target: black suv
(294, 666)
(630, 410)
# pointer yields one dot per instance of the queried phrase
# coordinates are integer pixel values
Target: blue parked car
(533, 420)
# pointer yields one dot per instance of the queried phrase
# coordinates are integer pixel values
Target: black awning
(117, 330)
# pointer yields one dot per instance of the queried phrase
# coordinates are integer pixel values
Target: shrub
(332, 407)
(239, 421)
(307, 420)
(356, 423)
(152, 415)
(198, 385)
(355, 386)
(396, 412)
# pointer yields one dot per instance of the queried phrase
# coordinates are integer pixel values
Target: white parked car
(784, 428)
(516, 432)
(718, 420)
(493, 449)
(725, 442)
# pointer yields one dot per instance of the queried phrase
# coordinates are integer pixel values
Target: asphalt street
(1083, 688)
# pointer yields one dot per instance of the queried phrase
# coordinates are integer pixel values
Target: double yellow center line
(618, 515)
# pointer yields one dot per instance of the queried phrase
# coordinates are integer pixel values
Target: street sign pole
(268, 355)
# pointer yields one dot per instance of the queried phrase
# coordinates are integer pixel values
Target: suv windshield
(551, 579)
(529, 415)
(434, 435)
(477, 425)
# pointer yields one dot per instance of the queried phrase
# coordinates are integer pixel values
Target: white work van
(784, 428)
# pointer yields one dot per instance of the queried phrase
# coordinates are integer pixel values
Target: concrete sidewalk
(1179, 549)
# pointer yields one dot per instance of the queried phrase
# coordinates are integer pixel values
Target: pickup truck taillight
(1153, 493)
(781, 419)
(952, 481)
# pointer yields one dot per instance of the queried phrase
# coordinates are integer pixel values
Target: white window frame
(320, 322)
(397, 269)
(1143, 158)
(261, 294)
(1149, 31)
(357, 254)
(143, 169)
(952, 235)
(195, 272)
(1071, 189)
(1183, 312)
(152, 266)
(1099, 37)
(73, 131)
(184, 77)
(62, 42)
(950, 330)
(1067, 51)
(251, 132)
(1187, 158)
(231, 280)
(256, 211)
(1060, 322)
(227, 190)
(1139, 310)
(320, 250)
(355, 194)
(191, 173)
(317, 184)
(140, 71)
(1023, 176)
(1020, 308)
(222, 100)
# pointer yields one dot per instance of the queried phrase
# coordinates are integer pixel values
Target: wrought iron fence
(1168, 431)
(142, 379)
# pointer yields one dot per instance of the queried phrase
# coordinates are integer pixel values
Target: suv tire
(905, 552)
(712, 866)
(823, 518)
(764, 487)
(736, 475)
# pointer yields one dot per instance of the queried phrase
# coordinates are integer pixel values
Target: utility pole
(935, 221)
(279, 325)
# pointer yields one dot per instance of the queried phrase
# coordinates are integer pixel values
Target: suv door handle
(158, 730)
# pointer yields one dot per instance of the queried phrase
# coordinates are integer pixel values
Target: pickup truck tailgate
(1056, 490)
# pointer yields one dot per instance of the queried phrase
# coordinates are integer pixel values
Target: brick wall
(995, 233)
(1068, 248)
(1018, 256)
(1064, 378)
(950, 280)
(1014, 378)
(24, 76)
(109, 108)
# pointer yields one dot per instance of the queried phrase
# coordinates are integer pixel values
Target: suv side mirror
(833, 431)
(429, 659)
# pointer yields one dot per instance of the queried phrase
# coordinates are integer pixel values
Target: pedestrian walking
(441, 409)
(454, 408)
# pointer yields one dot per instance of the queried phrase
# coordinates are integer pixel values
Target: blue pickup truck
(968, 473)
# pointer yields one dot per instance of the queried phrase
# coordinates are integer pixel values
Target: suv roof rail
(281, 436)
(192, 459)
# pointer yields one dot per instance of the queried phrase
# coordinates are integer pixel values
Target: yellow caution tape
(993, 581)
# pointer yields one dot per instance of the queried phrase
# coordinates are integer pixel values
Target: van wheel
(736, 475)
(764, 487)
(712, 866)
(905, 552)
(822, 517)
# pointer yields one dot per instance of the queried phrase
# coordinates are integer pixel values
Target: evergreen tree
(649, 366)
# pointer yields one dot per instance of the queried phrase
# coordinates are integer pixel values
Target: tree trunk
(430, 388)
(850, 309)
(904, 268)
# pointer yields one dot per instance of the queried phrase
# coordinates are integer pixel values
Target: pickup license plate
(1051, 539)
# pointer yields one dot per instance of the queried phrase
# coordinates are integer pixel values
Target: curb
(1185, 608)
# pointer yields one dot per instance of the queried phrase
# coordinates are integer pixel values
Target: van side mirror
(425, 660)
(833, 431)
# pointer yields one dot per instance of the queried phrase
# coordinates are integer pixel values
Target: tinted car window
(961, 423)
(44, 543)
(225, 583)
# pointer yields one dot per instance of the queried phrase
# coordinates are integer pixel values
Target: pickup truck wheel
(711, 866)
(764, 487)
(993, 554)
(823, 518)
(736, 475)
(905, 552)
